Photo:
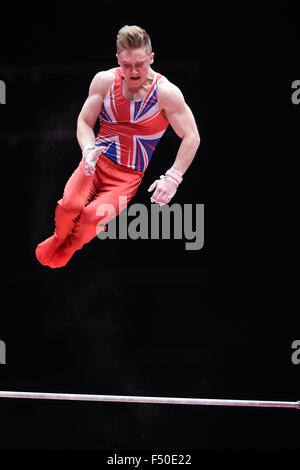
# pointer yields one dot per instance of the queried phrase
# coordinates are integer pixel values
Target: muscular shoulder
(169, 95)
(101, 82)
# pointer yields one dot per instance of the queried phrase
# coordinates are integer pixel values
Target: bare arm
(179, 115)
(92, 108)
(182, 121)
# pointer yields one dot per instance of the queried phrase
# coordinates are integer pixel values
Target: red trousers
(87, 202)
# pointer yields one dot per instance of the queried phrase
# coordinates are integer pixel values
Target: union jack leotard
(130, 129)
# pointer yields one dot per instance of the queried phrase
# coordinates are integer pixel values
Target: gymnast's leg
(116, 190)
(78, 191)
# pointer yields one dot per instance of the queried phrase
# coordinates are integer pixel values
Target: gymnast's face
(135, 65)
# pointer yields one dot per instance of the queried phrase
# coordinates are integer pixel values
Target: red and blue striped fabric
(131, 129)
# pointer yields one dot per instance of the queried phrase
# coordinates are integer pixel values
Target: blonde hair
(131, 37)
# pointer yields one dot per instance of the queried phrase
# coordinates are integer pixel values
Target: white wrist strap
(174, 175)
(87, 148)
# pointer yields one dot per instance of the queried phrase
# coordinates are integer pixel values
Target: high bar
(150, 400)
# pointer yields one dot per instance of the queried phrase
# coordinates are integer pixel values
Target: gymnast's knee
(89, 217)
(68, 207)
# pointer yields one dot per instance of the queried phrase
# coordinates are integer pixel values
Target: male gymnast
(135, 105)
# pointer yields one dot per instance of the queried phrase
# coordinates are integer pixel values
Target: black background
(148, 317)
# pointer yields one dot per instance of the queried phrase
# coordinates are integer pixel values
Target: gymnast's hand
(91, 154)
(164, 191)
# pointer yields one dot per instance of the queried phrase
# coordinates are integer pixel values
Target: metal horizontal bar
(154, 400)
